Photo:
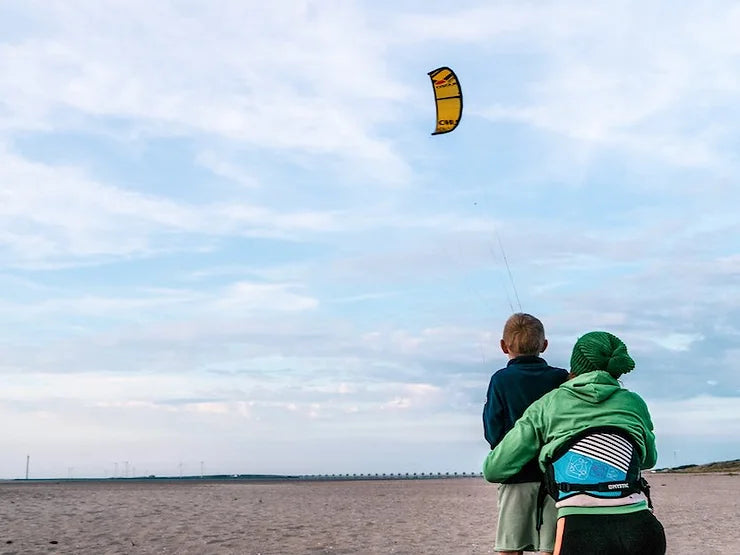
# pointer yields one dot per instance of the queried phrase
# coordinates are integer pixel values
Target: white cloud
(703, 416)
(506, 22)
(678, 341)
(251, 296)
(644, 83)
(53, 213)
(277, 75)
(241, 297)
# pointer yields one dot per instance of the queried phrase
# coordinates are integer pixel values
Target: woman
(592, 438)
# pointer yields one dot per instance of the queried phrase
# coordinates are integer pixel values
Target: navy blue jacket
(512, 389)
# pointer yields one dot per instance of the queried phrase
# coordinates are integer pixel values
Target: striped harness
(601, 462)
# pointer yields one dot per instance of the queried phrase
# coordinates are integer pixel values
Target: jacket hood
(593, 387)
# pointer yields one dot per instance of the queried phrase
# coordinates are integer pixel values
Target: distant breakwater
(265, 477)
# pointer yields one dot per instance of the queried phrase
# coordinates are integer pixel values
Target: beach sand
(701, 514)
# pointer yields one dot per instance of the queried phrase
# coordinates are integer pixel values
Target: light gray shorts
(517, 519)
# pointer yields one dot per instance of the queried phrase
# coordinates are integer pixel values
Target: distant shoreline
(709, 468)
(252, 478)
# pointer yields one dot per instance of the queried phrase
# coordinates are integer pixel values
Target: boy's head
(523, 335)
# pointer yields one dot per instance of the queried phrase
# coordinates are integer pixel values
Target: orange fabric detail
(559, 536)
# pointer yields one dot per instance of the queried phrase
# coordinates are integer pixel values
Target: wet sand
(701, 514)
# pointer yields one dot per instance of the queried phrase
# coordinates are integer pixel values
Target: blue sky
(227, 235)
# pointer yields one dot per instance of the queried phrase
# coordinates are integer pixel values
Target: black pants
(637, 533)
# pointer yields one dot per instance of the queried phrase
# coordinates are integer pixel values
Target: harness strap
(640, 485)
(601, 486)
(645, 488)
(541, 495)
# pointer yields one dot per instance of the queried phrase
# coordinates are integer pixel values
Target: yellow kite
(448, 96)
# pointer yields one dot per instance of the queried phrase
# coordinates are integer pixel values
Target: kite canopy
(448, 96)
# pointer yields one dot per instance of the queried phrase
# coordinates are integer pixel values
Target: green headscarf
(600, 350)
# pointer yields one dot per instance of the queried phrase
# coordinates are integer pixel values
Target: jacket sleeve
(519, 446)
(651, 452)
(493, 415)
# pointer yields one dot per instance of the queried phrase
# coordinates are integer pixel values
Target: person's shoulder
(500, 375)
(550, 371)
(560, 372)
(631, 401)
(633, 397)
(505, 380)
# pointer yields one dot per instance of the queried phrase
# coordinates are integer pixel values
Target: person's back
(511, 390)
(526, 378)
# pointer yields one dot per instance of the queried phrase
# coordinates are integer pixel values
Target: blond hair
(524, 334)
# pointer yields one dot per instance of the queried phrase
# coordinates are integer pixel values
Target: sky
(230, 244)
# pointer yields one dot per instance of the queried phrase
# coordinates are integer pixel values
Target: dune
(720, 466)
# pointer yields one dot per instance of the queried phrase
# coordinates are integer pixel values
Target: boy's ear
(544, 346)
(504, 348)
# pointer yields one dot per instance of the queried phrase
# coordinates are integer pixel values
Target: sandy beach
(701, 514)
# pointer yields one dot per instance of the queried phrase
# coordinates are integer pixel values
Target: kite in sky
(448, 96)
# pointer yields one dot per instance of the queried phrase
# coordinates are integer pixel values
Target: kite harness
(601, 462)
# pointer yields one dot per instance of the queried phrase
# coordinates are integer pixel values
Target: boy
(526, 378)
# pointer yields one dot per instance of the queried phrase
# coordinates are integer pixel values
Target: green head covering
(600, 350)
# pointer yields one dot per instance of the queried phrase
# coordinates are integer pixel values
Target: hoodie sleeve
(651, 452)
(519, 446)
(493, 415)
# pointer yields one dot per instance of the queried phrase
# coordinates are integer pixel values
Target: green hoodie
(588, 400)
